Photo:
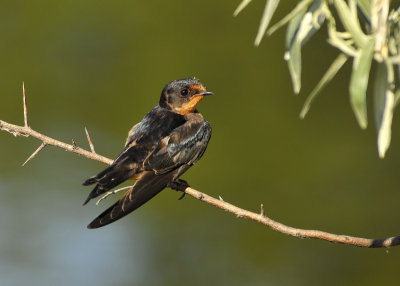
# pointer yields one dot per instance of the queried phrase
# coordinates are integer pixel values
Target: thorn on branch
(262, 210)
(90, 141)
(221, 199)
(35, 153)
(25, 108)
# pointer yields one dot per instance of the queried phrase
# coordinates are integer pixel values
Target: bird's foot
(180, 186)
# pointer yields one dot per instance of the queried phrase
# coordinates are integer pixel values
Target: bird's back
(147, 134)
(142, 139)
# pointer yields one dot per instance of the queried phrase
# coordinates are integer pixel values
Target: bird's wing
(171, 158)
(142, 139)
(126, 166)
(185, 145)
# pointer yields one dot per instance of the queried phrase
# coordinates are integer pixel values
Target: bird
(169, 139)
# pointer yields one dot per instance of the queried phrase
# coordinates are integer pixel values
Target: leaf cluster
(371, 36)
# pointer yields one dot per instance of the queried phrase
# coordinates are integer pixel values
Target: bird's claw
(182, 196)
(180, 186)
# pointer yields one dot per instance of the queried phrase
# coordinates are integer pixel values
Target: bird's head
(182, 95)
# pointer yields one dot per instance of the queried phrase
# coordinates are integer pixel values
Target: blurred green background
(102, 65)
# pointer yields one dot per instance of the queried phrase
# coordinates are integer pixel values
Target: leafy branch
(371, 35)
(260, 217)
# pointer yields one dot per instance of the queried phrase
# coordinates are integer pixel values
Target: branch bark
(27, 131)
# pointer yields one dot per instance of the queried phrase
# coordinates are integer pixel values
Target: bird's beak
(201, 90)
(204, 93)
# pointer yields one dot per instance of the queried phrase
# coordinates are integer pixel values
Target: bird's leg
(180, 186)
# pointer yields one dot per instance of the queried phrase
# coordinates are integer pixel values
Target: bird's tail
(142, 191)
(90, 181)
(106, 180)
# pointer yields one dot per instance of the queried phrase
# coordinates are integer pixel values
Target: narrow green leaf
(293, 57)
(351, 23)
(327, 77)
(384, 100)
(293, 53)
(385, 130)
(270, 7)
(241, 6)
(365, 6)
(292, 29)
(359, 83)
(311, 22)
(380, 86)
(300, 8)
(353, 7)
(299, 30)
(305, 29)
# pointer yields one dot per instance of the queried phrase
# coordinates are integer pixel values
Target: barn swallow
(159, 149)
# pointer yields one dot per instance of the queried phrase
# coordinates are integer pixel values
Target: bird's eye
(184, 92)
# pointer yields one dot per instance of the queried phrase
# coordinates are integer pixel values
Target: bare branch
(219, 203)
(26, 131)
(90, 141)
(25, 108)
(35, 153)
(296, 232)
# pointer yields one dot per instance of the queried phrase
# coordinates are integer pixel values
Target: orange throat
(190, 106)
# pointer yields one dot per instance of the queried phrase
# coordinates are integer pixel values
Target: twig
(90, 141)
(239, 212)
(35, 153)
(25, 131)
(25, 108)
